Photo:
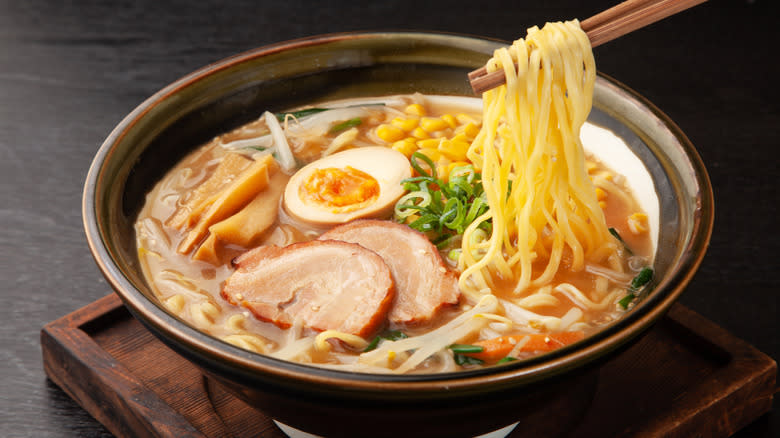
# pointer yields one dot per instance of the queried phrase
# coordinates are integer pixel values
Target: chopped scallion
(447, 207)
(392, 335)
(309, 111)
(462, 360)
(626, 300)
(346, 125)
(300, 113)
(620, 239)
(644, 277)
(506, 360)
(641, 279)
(411, 187)
(466, 348)
(373, 344)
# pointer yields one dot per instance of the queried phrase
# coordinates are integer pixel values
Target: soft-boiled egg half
(356, 183)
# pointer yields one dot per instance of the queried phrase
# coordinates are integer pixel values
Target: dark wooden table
(70, 72)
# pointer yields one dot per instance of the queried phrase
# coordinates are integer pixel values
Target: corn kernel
(602, 205)
(637, 223)
(415, 109)
(389, 133)
(405, 125)
(420, 133)
(431, 153)
(471, 130)
(461, 137)
(600, 194)
(430, 124)
(454, 150)
(450, 120)
(429, 143)
(406, 146)
(442, 173)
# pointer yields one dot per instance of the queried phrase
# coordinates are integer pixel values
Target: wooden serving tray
(686, 377)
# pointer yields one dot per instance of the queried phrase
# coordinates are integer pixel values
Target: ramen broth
(190, 287)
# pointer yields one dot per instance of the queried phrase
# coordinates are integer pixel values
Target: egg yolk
(341, 189)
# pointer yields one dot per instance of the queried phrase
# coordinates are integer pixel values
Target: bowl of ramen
(338, 232)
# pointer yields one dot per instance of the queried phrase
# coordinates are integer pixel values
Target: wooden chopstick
(589, 24)
(636, 19)
(603, 27)
(614, 13)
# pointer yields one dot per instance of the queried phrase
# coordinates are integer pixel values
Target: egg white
(384, 164)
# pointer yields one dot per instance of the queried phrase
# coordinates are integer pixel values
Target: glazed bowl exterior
(546, 394)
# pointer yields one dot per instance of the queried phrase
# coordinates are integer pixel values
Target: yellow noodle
(247, 342)
(542, 202)
(538, 300)
(204, 314)
(235, 323)
(583, 301)
(321, 341)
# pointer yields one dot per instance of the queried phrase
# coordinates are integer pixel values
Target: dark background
(70, 71)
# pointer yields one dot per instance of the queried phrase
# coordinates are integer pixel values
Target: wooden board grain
(686, 377)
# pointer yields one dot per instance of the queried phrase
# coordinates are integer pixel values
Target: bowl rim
(252, 364)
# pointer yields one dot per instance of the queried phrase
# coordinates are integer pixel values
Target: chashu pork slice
(422, 281)
(329, 285)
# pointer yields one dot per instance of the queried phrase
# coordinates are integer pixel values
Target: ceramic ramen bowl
(547, 393)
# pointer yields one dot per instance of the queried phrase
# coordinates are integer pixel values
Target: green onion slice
(309, 111)
(644, 277)
(427, 222)
(413, 160)
(351, 123)
(445, 210)
(406, 206)
(641, 279)
(626, 300)
(466, 348)
(462, 360)
(615, 233)
(392, 335)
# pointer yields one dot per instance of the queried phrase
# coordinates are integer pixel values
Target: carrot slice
(497, 348)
